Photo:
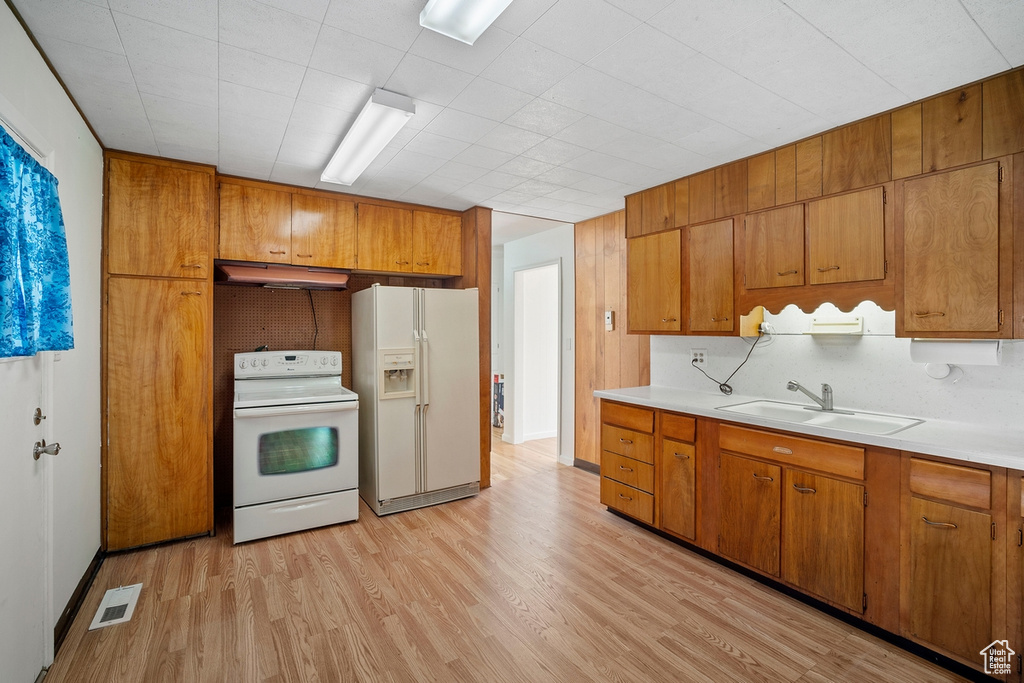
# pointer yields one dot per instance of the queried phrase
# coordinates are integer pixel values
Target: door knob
(41, 447)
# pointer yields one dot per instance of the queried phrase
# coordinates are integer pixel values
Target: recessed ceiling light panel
(463, 20)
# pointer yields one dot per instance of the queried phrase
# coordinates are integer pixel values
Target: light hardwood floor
(532, 580)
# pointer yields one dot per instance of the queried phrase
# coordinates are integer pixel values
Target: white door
(26, 640)
(451, 387)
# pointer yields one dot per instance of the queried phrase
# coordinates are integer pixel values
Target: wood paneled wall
(604, 360)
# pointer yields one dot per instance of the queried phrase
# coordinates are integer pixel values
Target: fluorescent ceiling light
(379, 121)
(462, 20)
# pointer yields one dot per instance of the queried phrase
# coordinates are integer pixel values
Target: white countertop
(1003, 447)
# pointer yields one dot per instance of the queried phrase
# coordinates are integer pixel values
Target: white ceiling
(508, 227)
(560, 109)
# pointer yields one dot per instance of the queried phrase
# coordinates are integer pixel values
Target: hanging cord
(724, 386)
(316, 327)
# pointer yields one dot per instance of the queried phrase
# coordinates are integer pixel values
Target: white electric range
(296, 443)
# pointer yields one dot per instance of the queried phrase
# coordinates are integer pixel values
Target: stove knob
(334, 361)
(242, 364)
(264, 362)
(323, 361)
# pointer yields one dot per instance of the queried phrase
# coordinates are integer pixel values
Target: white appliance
(295, 447)
(415, 361)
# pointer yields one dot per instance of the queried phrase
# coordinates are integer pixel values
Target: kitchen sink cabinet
(436, 243)
(323, 232)
(677, 466)
(846, 237)
(774, 248)
(627, 460)
(255, 223)
(710, 278)
(749, 526)
(955, 240)
(653, 288)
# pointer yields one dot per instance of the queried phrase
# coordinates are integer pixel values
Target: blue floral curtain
(35, 295)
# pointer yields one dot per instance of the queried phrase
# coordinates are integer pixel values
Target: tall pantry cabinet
(157, 350)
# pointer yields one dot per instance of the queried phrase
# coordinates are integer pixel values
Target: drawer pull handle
(191, 265)
(684, 456)
(627, 469)
(787, 272)
(760, 478)
(804, 489)
(423, 263)
(930, 314)
(621, 440)
(719, 320)
(946, 525)
(191, 293)
(304, 255)
(668, 320)
(783, 450)
(827, 268)
(402, 263)
(625, 497)
(278, 252)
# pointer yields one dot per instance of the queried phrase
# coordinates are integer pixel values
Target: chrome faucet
(826, 394)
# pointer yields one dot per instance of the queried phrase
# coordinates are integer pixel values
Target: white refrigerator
(415, 366)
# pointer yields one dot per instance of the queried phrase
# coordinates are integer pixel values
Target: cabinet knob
(945, 525)
(930, 314)
(827, 268)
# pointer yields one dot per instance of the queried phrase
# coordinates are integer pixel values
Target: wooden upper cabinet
(323, 232)
(857, 155)
(761, 182)
(659, 208)
(436, 243)
(951, 252)
(1003, 111)
(702, 197)
(653, 290)
(906, 141)
(634, 215)
(385, 238)
(951, 129)
(159, 219)
(774, 248)
(682, 201)
(710, 273)
(731, 189)
(808, 169)
(255, 223)
(846, 237)
(785, 175)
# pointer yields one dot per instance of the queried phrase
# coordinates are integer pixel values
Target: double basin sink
(794, 413)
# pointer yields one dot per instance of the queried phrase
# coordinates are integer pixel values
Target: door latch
(41, 447)
(38, 416)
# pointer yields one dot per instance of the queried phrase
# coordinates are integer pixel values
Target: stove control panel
(287, 364)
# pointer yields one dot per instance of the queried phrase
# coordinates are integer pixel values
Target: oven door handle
(305, 409)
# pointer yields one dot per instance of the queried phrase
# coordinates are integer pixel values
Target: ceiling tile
(475, 193)
(166, 81)
(590, 132)
(240, 164)
(594, 184)
(310, 9)
(1002, 26)
(85, 64)
(305, 147)
(267, 30)
(250, 135)
(537, 187)
(333, 91)
(560, 175)
(162, 45)
(415, 161)
(198, 155)
(198, 17)
(460, 125)
(436, 145)
(525, 167)
(392, 22)
(314, 117)
(711, 141)
(773, 39)
(180, 112)
(511, 139)
(521, 14)
(544, 117)
(529, 67)
(613, 168)
(459, 171)
(458, 55)
(701, 24)
(500, 180)
(645, 57)
(345, 54)
(295, 175)
(241, 99)
(484, 157)
(425, 113)
(75, 21)
(490, 100)
(244, 67)
(422, 79)
(641, 9)
(595, 25)
(554, 151)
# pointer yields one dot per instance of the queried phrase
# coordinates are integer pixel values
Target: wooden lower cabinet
(157, 469)
(678, 495)
(823, 537)
(749, 512)
(627, 460)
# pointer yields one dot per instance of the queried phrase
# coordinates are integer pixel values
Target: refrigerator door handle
(418, 459)
(423, 448)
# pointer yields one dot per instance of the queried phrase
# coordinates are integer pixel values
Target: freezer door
(450, 387)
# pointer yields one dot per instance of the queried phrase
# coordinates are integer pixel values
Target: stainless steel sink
(865, 423)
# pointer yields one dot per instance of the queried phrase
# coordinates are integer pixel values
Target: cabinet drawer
(628, 471)
(631, 417)
(627, 500)
(628, 443)
(845, 461)
(961, 485)
(678, 427)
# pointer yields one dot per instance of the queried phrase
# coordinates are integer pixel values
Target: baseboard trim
(67, 617)
(586, 466)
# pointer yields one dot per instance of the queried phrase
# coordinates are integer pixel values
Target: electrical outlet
(698, 357)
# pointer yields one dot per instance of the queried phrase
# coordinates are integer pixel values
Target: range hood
(279, 275)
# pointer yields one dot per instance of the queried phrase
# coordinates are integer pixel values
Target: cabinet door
(951, 577)
(658, 208)
(158, 460)
(750, 498)
(951, 251)
(323, 232)
(653, 283)
(159, 220)
(385, 238)
(823, 537)
(436, 243)
(255, 224)
(774, 248)
(711, 277)
(677, 498)
(846, 237)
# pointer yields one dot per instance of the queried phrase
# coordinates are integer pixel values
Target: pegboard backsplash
(245, 318)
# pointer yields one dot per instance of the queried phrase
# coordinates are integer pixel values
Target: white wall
(556, 245)
(872, 373)
(537, 351)
(26, 82)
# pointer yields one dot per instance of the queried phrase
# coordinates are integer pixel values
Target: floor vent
(117, 606)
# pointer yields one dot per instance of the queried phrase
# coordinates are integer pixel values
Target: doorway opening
(536, 365)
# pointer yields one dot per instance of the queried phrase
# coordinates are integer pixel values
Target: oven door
(283, 452)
